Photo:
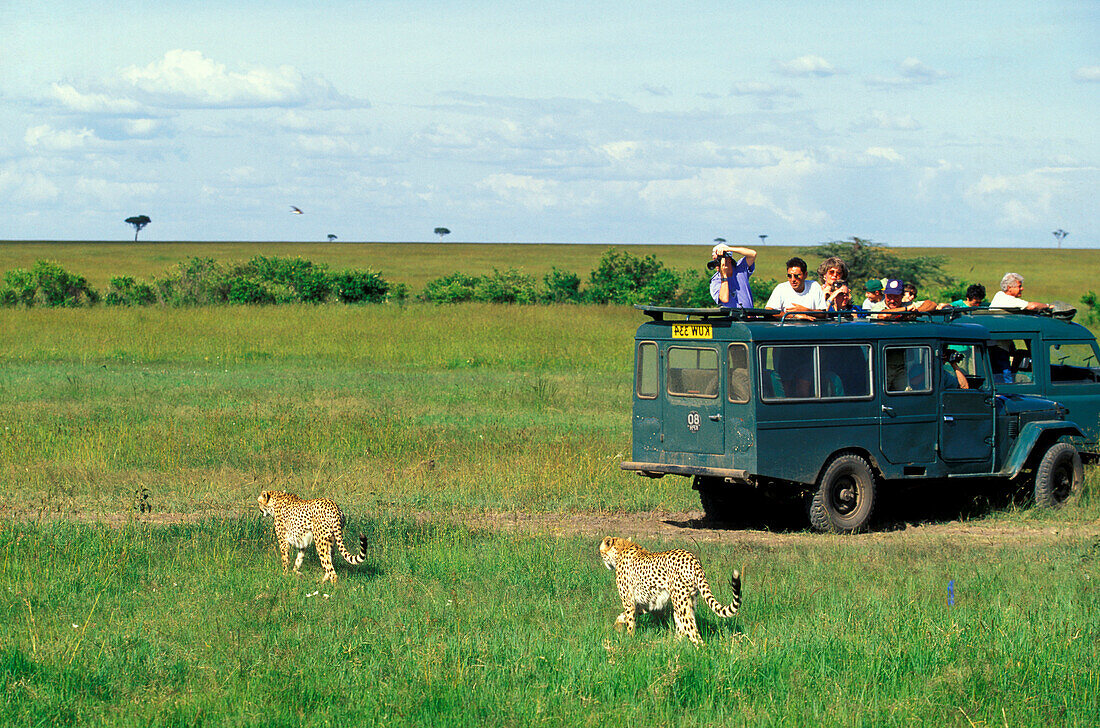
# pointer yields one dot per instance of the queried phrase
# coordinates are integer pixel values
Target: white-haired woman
(1012, 285)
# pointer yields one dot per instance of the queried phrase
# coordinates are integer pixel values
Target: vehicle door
(966, 412)
(907, 426)
(692, 417)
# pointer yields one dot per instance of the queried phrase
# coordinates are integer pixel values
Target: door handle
(715, 418)
(888, 410)
(948, 418)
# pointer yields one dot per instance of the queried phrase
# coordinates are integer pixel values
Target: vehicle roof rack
(658, 313)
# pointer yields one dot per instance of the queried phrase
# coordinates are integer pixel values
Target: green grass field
(196, 625)
(424, 422)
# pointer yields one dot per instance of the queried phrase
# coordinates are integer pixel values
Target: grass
(435, 408)
(196, 624)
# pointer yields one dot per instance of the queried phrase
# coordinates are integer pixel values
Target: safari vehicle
(833, 409)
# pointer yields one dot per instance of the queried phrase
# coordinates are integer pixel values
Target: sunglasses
(795, 275)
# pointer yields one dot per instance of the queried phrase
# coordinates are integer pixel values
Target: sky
(934, 123)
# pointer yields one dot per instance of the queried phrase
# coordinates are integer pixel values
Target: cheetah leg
(627, 618)
(298, 562)
(284, 548)
(324, 552)
(684, 615)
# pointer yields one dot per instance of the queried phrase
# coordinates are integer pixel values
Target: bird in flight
(294, 210)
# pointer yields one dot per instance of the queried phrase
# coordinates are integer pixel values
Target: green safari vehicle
(833, 409)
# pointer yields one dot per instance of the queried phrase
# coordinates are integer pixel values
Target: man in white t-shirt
(797, 294)
(1009, 296)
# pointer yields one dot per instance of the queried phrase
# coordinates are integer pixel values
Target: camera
(952, 356)
(712, 264)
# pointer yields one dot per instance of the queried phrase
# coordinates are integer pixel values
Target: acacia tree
(139, 222)
(866, 259)
(331, 237)
(441, 231)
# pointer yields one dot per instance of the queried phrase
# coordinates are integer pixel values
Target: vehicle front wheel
(1059, 476)
(845, 496)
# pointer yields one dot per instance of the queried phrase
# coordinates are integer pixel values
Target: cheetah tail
(358, 558)
(730, 609)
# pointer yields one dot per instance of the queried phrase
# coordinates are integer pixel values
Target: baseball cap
(872, 285)
(894, 287)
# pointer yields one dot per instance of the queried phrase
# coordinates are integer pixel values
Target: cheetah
(302, 522)
(648, 582)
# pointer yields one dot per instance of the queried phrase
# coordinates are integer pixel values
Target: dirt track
(688, 525)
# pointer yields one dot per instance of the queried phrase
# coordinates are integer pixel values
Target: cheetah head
(265, 502)
(611, 548)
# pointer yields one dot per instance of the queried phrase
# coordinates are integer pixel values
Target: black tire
(1059, 476)
(845, 496)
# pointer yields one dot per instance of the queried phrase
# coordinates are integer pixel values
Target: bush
(196, 282)
(624, 278)
(363, 286)
(125, 291)
(309, 283)
(46, 284)
(561, 287)
(511, 286)
(455, 288)
(250, 290)
(1092, 314)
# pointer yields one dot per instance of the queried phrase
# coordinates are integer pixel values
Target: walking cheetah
(648, 582)
(302, 522)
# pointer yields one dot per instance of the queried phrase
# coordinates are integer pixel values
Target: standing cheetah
(648, 582)
(302, 522)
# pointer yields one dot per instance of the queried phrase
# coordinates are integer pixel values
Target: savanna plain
(477, 448)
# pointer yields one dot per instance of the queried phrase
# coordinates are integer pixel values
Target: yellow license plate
(692, 331)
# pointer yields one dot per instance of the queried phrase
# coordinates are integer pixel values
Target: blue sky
(939, 123)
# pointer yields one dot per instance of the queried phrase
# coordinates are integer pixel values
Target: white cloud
(93, 103)
(656, 90)
(188, 79)
(45, 137)
(766, 94)
(807, 66)
(885, 153)
(1087, 73)
(525, 190)
(111, 193)
(911, 72)
(1019, 200)
(891, 122)
(326, 145)
(775, 189)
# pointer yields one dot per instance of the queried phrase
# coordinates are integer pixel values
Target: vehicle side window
(845, 370)
(787, 372)
(970, 364)
(645, 377)
(739, 383)
(692, 372)
(1011, 361)
(825, 371)
(908, 369)
(1073, 363)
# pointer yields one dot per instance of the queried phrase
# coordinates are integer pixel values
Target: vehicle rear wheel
(1059, 476)
(845, 496)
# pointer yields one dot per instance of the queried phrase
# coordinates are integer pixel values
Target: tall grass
(194, 625)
